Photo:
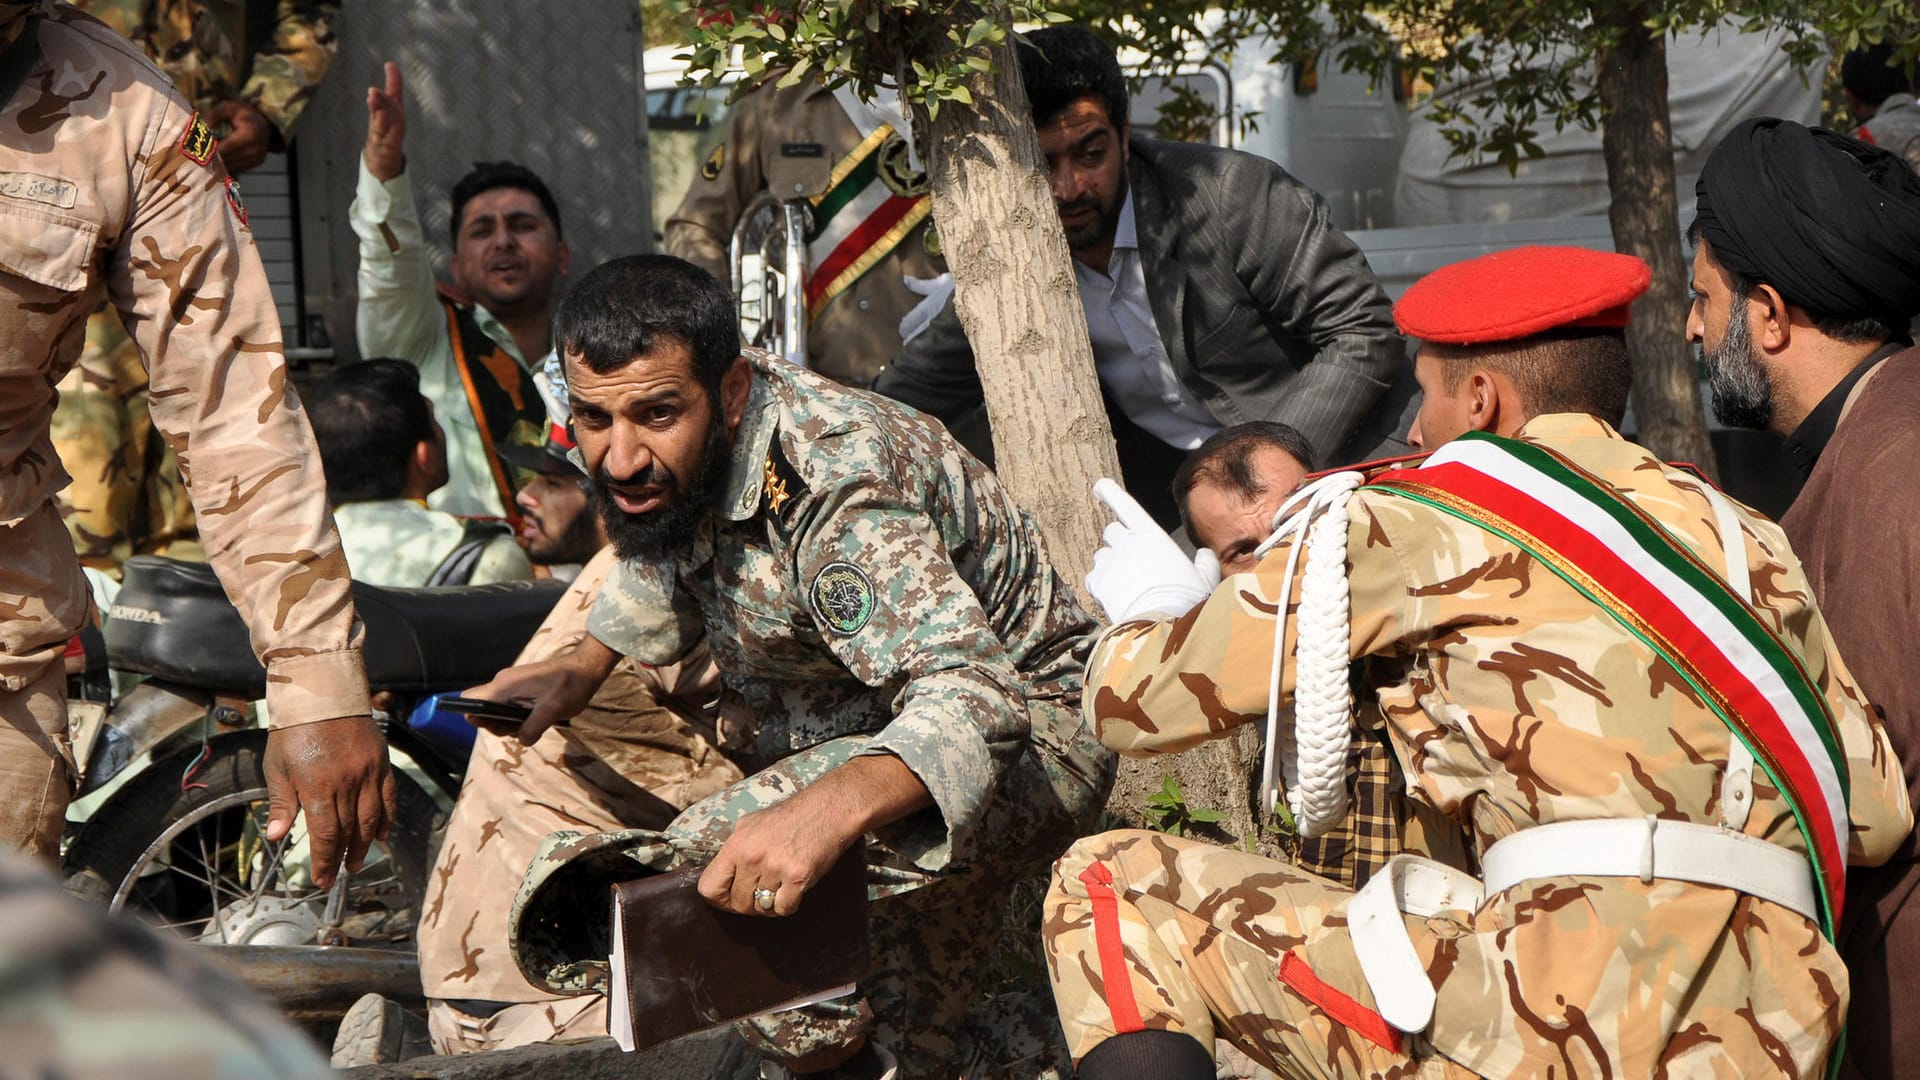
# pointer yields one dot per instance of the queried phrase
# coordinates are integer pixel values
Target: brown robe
(1856, 528)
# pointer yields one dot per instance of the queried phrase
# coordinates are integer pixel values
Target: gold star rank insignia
(776, 485)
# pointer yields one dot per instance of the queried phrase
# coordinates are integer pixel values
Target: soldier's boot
(870, 1062)
(376, 1031)
(1167, 1055)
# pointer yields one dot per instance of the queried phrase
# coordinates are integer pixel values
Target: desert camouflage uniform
(865, 587)
(85, 996)
(110, 190)
(127, 497)
(641, 752)
(787, 141)
(1512, 701)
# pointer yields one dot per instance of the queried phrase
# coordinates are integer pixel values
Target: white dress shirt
(1127, 350)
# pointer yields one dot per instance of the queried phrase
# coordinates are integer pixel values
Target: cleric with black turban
(1829, 221)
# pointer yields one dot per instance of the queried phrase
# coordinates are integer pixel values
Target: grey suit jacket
(1268, 311)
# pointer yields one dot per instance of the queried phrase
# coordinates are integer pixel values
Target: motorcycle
(171, 771)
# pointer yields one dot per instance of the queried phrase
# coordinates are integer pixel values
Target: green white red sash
(1624, 561)
(858, 220)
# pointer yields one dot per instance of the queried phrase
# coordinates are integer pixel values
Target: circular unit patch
(842, 598)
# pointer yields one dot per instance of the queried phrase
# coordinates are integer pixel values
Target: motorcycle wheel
(185, 847)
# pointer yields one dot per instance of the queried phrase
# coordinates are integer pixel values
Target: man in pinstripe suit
(1216, 287)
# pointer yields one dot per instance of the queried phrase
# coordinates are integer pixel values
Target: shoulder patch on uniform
(710, 168)
(233, 200)
(781, 484)
(897, 171)
(197, 144)
(842, 598)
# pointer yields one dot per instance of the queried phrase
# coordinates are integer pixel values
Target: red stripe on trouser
(1299, 978)
(1113, 958)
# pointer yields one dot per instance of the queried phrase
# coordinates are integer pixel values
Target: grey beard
(1742, 395)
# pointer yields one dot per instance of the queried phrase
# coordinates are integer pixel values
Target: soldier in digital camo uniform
(1557, 626)
(109, 186)
(127, 497)
(898, 658)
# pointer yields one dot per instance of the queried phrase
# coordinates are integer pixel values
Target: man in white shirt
(384, 454)
(1216, 288)
(475, 350)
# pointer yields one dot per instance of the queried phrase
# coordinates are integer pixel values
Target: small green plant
(1167, 810)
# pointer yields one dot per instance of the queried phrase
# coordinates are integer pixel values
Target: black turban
(1831, 222)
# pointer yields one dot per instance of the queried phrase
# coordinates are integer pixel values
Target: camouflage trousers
(127, 496)
(931, 933)
(1559, 976)
(88, 997)
(641, 751)
(43, 602)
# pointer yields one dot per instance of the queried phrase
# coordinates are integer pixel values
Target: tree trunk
(1014, 291)
(1637, 141)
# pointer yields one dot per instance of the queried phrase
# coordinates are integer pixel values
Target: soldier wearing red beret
(1609, 675)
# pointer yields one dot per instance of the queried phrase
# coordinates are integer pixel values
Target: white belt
(1652, 848)
(1643, 848)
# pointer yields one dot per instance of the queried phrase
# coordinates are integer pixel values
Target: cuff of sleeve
(959, 772)
(375, 202)
(315, 687)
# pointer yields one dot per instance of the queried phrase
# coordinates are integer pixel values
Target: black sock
(1148, 1055)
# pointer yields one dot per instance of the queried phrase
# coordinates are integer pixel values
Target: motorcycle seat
(172, 620)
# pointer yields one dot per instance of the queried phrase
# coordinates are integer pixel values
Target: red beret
(1515, 294)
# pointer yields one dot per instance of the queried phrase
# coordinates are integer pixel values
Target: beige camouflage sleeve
(283, 78)
(189, 285)
(1162, 687)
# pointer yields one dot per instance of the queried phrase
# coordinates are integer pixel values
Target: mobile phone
(498, 717)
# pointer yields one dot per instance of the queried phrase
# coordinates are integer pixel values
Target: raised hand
(385, 152)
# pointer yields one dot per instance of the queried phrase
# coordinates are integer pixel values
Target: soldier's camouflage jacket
(109, 187)
(863, 573)
(202, 46)
(1512, 701)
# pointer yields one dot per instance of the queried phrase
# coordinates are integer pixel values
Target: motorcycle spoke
(269, 871)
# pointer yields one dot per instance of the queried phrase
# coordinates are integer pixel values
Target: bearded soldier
(1611, 675)
(899, 662)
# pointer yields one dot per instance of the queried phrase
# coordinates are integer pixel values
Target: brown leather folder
(680, 965)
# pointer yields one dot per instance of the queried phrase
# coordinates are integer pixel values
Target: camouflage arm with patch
(1162, 687)
(283, 77)
(883, 590)
(701, 229)
(190, 287)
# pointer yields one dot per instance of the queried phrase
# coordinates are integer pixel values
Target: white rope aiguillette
(1311, 753)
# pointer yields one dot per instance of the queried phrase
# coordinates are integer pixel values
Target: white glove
(1139, 570)
(933, 293)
